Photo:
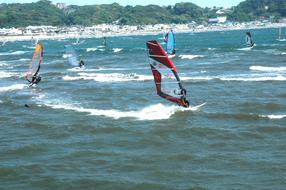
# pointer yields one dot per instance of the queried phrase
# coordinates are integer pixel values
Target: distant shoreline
(136, 33)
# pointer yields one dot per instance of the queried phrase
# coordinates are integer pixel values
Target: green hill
(40, 13)
(44, 12)
(254, 9)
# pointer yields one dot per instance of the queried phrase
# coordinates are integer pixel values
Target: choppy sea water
(104, 127)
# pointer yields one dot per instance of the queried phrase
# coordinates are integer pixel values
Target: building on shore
(221, 16)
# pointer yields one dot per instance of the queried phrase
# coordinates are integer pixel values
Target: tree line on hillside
(44, 12)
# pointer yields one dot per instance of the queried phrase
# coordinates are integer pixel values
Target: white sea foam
(250, 79)
(4, 74)
(29, 47)
(18, 52)
(244, 78)
(90, 49)
(66, 55)
(12, 87)
(276, 117)
(190, 56)
(23, 59)
(267, 69)
(112, 77)
(2, 63)
(115, 50)
(13, 53)
(153, 112)
(79, 69)
(245, 49)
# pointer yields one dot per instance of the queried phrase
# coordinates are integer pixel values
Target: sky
(201, 3)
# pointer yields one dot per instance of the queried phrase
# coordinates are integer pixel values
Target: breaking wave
(113, 77)
(12, 87)
(152, 112)
(267, 69)
(115, 50)
(190, 56)
(14, 53)
(273, 117)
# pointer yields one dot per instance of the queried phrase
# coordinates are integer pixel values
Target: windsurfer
(185, 102)
(104, 41)
(81, 63)
(249, 41)
(35, 80)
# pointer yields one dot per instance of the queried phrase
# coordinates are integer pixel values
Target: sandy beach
(209, 28)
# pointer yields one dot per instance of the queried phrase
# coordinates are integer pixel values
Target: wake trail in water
(152, 112)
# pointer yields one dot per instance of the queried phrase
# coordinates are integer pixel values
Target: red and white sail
(165, 74)
(35, 64)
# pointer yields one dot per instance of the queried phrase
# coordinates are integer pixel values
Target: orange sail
(35, 64)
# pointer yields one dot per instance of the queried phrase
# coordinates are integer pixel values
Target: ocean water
(104, 127)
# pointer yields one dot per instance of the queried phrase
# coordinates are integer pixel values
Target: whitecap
(267, 69)
(253, 79)
(12, 87)
(190, 56)
(245, 49)
(111, 77)
(276, 117)
(152, 112)
(115, 50)
(13, 53)
(4, 74)
(90, 49)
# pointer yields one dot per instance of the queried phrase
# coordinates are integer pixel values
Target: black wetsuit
(81, 63)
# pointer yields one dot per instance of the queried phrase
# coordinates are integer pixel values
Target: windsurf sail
(167, 81)
(104, 41)
(280, 38)
(248, 40)
(78, 41)
(72, 56)
(170, 40)
(35, 64)
(4, 43)
(34, 41)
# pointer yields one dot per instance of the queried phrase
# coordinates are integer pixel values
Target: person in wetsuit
(81, 63)
(35, 80)
(251, 44)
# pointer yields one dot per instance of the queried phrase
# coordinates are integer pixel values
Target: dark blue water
(104, 127)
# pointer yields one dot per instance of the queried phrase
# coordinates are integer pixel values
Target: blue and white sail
(170, 40)
(72, 56)
(280, 38)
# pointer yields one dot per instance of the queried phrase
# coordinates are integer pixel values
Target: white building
(221, 16)
(61, 5)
